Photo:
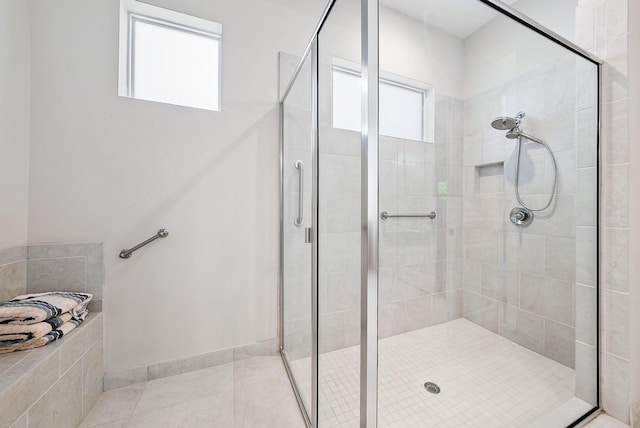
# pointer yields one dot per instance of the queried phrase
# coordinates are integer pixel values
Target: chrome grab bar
(300, 219)
(385, 215)
(125, 254)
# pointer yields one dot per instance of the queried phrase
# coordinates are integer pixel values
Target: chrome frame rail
(385, 215)
(307, 50)
(369, 214)
(281, 232)
(126, 253)
(315, 246)
(296, 388)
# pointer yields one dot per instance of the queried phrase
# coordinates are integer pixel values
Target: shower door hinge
(307, 235)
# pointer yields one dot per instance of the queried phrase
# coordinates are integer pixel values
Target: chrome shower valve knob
(521, 216)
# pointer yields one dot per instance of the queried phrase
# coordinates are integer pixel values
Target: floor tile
(173, 390)
(215, 411)
(257, 369)
(269, 403)
(485, 380)
(114, 405)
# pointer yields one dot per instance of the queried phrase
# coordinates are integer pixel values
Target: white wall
(407, 47)
(556, 15)
(504, 49)
(14, 121)
(410, 48)
(105, 168)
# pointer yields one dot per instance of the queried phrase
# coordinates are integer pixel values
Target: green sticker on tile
(442, 188)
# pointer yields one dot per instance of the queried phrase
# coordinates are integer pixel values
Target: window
(169, 57)
(406, 106)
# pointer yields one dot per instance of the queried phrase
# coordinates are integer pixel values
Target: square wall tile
(559, 343)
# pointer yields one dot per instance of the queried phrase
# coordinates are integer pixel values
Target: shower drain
(432, 388)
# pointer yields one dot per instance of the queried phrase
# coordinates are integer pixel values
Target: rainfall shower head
(504, 123)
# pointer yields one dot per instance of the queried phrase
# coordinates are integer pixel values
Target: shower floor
(485, 380)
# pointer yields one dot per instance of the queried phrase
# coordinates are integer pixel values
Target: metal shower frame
(370, 217)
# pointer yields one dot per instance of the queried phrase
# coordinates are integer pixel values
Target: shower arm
(530, 138)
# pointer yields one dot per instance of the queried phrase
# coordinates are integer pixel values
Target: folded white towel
(51, 336)
(35, 308)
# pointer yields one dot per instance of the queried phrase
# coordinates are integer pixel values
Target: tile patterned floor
(486, 381)
(250, 393)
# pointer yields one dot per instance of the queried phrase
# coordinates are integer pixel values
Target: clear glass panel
(501, 317)
(175, 66)
(346, 100)
(402, 108)
(339, 231)
(297, 136)
(401, 111)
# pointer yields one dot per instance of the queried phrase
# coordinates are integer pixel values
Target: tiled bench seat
(56, 385)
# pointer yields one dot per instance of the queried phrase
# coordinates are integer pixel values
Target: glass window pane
(401, 107)
(346, 100)
(175, 66)
(401, 112)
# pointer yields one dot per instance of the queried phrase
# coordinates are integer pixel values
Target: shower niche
(412, 266)
(487, 176)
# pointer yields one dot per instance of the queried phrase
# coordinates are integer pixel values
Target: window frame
(391, 79)
(132, 11)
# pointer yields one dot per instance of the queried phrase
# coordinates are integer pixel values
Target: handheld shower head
(513, 133)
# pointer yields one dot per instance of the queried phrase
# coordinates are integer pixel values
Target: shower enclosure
(439, 218)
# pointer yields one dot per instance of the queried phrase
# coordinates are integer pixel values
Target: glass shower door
(297, 284)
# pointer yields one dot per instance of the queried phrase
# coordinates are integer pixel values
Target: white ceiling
(457, 17)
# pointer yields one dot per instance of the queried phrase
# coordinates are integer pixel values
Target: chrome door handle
(300, 219)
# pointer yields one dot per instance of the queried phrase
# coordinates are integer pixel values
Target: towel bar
(125, 254)
(385, 215)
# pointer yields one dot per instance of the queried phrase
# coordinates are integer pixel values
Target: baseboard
(126, 377)
(635, 414)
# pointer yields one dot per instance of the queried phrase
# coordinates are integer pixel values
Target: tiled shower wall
(602, 28)
(420, 259)
(520, 282)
